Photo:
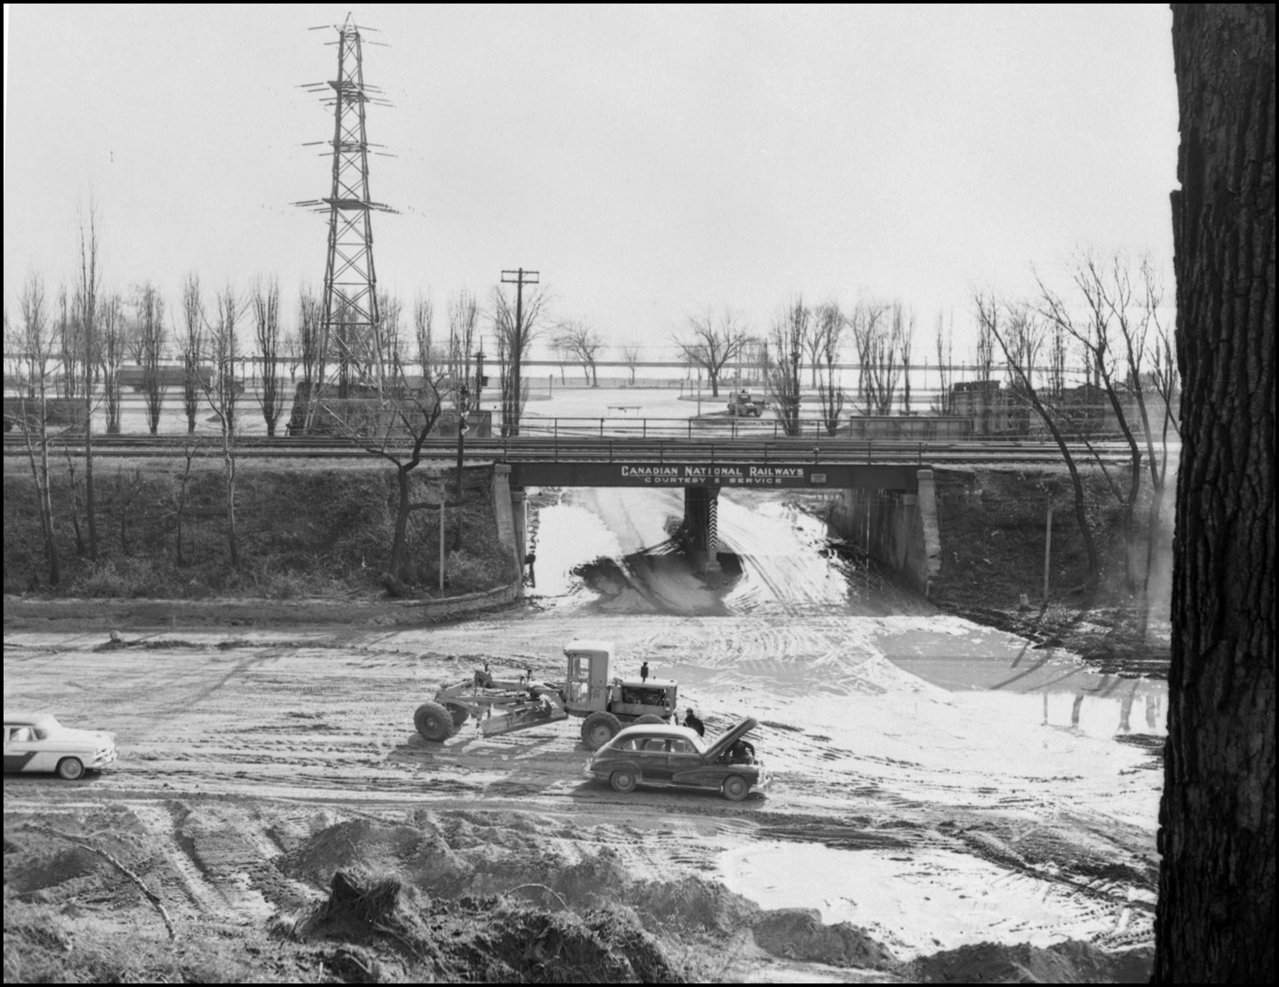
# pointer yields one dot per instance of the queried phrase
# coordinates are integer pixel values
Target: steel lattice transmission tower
(350, 317)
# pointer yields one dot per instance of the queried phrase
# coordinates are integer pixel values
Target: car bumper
(101, 760)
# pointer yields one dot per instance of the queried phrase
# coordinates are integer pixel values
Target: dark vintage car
(676, 757)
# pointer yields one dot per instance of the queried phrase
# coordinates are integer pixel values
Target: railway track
(566, 446)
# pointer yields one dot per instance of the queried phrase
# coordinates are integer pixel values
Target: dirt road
(937, 786)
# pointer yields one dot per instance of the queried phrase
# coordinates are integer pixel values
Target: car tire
(70, 768)
(599, 728)
(735, 788)
(434, 722)
(458, 714)
(623, 781)
(649, 718)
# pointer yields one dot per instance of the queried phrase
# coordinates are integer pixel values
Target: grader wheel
(434, 722)
(599, 728)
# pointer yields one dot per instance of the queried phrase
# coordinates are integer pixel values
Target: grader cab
(505, 705)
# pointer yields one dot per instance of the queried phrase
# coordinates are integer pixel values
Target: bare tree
(583, 343)
(877, 356)
(88, 302)
(829, 323)
(37, 344)
(630, 356)
(904, 334)
(790, 329)
(403, 412)
(711, 345)
(222, 392)
(945, 361)
(563, 354)
(189, 446)
(110, 357)
(1215, 916)
(388, 334)
(313, 341)
(990, 327)
(71, 344)
(986, 364)
(1101, 298)
(423, 335)
(463, 321)
(266, 312)
(516, 328)
(149, 308)
(193, 343)
(813, 349)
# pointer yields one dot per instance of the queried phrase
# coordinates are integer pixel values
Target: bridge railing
(672, 428)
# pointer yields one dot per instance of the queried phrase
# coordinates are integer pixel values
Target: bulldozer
(508, 704)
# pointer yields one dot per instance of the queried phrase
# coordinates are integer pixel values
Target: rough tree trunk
(1216, 913)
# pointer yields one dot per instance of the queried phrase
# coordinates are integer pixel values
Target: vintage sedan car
(38, 742)
(676, 757)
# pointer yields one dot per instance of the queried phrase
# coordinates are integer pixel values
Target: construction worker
(693, 722)
(644, 672)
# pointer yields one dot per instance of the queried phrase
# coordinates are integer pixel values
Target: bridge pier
(508, 505)
(701, 527)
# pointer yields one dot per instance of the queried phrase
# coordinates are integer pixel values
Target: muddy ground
(949, 802)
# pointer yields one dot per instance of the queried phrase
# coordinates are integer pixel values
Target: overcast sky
(651, 162)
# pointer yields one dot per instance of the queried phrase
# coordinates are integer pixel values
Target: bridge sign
(602, 473)
(735, 475)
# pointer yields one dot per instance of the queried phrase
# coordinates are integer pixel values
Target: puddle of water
(915, 903)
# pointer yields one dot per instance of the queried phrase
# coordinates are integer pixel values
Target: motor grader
(503, 705)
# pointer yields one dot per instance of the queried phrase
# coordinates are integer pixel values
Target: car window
(41, 734)
(682, 747)
(20, 735)
(654, 745)
(629, 745)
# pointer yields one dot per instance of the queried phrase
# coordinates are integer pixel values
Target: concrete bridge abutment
(897, 528)
(509, 510)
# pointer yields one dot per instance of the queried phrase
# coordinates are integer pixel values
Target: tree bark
(1215, 919)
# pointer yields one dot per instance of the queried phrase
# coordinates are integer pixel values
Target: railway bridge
(704, 467)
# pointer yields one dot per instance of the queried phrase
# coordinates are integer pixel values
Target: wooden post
(1048, 547)
(441, 546)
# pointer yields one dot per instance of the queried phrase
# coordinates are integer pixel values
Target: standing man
(693, 722)
(644, 672)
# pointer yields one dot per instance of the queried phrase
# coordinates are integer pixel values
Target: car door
(653, 761)
(684, 762)
(20, 750)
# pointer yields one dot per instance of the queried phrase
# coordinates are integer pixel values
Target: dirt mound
(418, 855)
(798, 934)
(387, 931)
(1062, 963)
(691, 903)
(524, 945)
(26, 873)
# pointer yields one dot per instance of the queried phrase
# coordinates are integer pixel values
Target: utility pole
(519, 277)
(461, 440)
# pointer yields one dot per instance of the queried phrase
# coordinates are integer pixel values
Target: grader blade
(533, 715)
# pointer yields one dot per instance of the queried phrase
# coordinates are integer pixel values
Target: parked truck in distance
(503, 705)
(742, 405)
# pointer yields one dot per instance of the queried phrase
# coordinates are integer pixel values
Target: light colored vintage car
(38, 742)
